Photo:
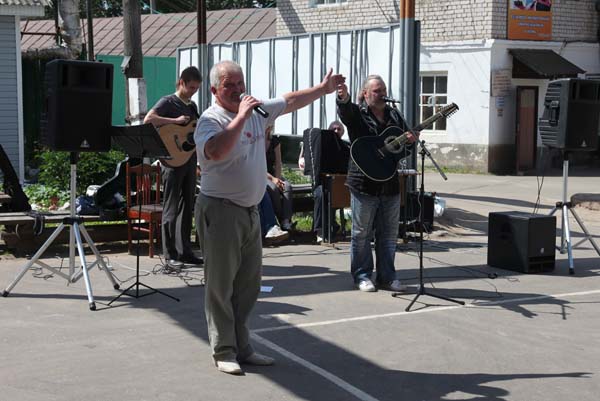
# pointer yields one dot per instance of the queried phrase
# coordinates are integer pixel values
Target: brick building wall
(574, 20)
(441, 20)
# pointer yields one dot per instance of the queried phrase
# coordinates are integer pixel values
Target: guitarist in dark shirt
(374, 204)
(178, 182)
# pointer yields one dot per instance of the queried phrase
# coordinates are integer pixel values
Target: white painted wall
(468, 67)
(502, 129)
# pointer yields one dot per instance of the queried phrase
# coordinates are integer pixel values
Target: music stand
(421, 289)
(140, 141)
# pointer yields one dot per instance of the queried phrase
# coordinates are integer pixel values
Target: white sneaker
(229, 366)
(395, 285)
(319, 239)
(259, 360)
(366, 285)
(276, 234)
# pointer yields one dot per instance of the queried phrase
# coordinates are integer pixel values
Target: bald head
(221, 69)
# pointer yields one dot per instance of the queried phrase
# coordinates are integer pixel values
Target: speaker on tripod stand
(77, 111)
(76, 118)
(571, 123)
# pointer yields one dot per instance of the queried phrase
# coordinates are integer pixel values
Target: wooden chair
(143, 185)
(336, 196)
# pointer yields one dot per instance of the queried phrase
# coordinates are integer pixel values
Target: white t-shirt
(241, 176)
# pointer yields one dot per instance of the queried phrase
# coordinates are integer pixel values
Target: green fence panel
(160, 74)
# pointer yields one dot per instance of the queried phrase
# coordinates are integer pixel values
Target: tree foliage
(103, 8)
(114, 8)
(178, 6)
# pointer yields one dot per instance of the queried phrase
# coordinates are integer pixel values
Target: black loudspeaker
(77, 111)
(571, 119)
(521, 241)
(328, 153)
(411, 211)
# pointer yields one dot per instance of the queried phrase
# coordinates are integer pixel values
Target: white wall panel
(304, 58)
(378, 53)
(394, 89)
(283, 79)
(259, 69)
(317, 68)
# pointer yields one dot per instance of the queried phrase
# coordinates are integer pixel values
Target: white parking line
(361, 395)
(428, 310)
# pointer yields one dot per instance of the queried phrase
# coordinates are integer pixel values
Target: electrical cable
(540, 184)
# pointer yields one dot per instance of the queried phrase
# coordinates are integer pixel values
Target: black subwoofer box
(521, 241)
(410, 212)
(77, 110)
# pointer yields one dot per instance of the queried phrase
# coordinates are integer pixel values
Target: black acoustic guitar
(377, 156)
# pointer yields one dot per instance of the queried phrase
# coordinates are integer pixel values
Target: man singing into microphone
(230, 140)
(374, 204)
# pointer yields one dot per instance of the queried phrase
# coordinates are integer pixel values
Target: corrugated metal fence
(275, 66)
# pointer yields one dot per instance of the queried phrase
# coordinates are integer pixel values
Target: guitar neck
(401, 140)
(428, 122)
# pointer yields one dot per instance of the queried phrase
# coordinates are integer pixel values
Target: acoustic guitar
(377, 156)
(179, 141)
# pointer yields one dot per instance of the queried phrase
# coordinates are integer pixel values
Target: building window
(314, 3)
(434, 95)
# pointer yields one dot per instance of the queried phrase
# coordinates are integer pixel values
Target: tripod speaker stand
(565, 206)
(76, 230)
(421, 289)
(140, 141)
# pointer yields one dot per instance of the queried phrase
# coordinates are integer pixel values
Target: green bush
(42, 194)
(92, 169)
(294, 176)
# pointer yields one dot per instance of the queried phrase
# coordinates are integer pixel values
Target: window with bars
(434, 95)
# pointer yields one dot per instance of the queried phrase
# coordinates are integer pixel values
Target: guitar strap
(395, 119)
(184, 108)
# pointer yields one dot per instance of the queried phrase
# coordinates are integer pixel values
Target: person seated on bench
(270, 231)
(338, 128)
(278, 188)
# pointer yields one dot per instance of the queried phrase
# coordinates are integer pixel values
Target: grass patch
(304, 221)
(455, 170)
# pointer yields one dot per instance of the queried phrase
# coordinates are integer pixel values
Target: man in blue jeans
(374, 204)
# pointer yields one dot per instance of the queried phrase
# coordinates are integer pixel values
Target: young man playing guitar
(373, 203)
(179, 182)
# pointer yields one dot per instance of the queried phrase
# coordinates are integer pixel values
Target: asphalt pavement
(522, 337)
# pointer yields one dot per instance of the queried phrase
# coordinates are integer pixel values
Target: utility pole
(409, 73)
(407, 9)
(132, 67)
(90, 29)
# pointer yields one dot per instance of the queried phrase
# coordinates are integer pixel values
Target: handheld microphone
(258, 109)
(390, 100)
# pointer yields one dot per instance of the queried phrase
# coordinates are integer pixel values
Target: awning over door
(542, 64)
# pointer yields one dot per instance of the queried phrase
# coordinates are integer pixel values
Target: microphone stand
(421, 289)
